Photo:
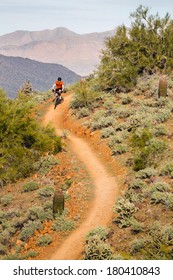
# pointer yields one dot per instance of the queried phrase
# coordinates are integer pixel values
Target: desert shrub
(146, 173)
(126, 100)
(149, 154)
(66, 185)
(119, 149)
(140, 138)
(82, 112)
(137, 184)
(160, 186)
(6, 199)
(122, 112)
(158, 247)
(4, 237)
(22, 137)
(30, 186)
(29, 229)
(132, 196)
(167, 169)
(135, 121)
(45, 163)
(163, 115)
(3, 215)
(3, 249)
(118, 257)
(109, 102)
(123, 126)
(44, 240)
(14, 256)
(47, 205)
(46, 191)
(84, 95)
(97, 249)
(116, 139)
(31, 254)
(101, 232)
(167, 234)
(62, 223)
(136, 226)
(102, 122)
(160, 130)
(164, 198)
(136, 245)
(38, 213)
(108, 131)
(125, 210)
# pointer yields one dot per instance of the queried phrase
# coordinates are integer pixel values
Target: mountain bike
(58, 98)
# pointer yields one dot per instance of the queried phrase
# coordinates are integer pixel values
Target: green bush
(84, 94)
(165, 198)
(125, 210)
(46, 191)
(97, 249)
(137, 245)
(137, 184)
(136, 226)
(63, 224)
(3, 249)
(102, 122)
(44, 240)
(107, 132)
(30, 186)
(159, 243)
(45, 163)
(119, 149)
(29, 230)
(6, 199)
(146, 173)
(21, 138)
(101, 232)
(160, 186)
(167, 169)
(82, 112)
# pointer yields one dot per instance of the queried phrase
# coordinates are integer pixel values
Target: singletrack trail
(105, 187)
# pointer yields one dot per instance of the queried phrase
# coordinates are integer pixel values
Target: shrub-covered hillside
(132, 111)
(22, 140)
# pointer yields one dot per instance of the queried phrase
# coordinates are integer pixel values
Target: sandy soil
(106, 188)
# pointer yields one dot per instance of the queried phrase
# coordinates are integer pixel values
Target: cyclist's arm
(63, 87)
(54, 87)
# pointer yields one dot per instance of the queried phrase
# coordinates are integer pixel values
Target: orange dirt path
(105, 186)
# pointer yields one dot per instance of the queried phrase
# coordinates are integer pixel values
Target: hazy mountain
(79, 53)
(14, 71)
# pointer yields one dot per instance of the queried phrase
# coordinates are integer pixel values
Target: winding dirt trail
(105, 185)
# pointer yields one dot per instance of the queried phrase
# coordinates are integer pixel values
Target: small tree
(145, 47)
(26, 88)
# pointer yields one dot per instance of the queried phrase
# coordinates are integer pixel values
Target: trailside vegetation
(145, 47)
(22, 140)
(133, 115)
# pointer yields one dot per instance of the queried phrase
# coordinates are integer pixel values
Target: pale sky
(80, 16)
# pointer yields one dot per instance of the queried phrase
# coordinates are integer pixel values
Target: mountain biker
(58, 87)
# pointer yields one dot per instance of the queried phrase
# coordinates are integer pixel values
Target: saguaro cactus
(58, 202)
(163, 84)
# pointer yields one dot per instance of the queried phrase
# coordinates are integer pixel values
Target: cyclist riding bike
(58, 87)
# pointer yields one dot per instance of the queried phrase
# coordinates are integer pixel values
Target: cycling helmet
(59, 78)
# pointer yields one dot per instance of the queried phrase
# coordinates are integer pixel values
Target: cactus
(58, 202)
(162, 92)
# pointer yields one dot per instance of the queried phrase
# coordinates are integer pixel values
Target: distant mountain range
(79, 53)
(14, 71)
